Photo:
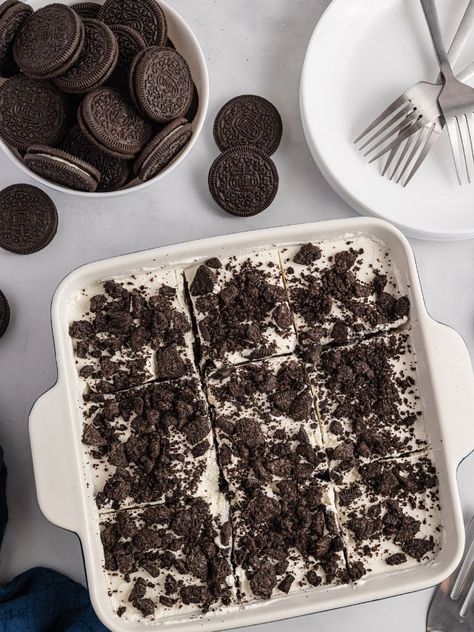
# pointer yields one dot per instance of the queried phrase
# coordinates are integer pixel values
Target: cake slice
(148, 444)
(368, 401)
(286, 538)
(269, 448)
(241, 308)
(343, 289)
(170, 559)
(132, 330)
(389, 514)
(265, 423)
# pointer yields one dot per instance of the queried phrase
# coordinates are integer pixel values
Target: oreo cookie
(50, 42)
(109, 120)
(115, 172)
(62, 168)
(87, 10)
(28, 219)
(248, 120)
(161, 84)
(130, 43)
(145, 16)
(4, 313)
(163, 149)
(12, 16)
(96, 62)
(243, 181)
(31, 112)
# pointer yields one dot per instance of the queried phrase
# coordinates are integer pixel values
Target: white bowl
(187, 44)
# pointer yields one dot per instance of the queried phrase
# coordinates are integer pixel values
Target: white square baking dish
(446, 383)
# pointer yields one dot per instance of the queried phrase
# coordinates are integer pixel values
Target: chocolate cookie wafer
(28, 219)
(4, 313)
(161, 84)
(145, 16)
(243, 181)
(31, 112)
(62, 168)
(108, 118)
(114, 171)
(87, 9)
(163, 149)
(248, 120)
(12, 16)
(49, 42)
(96, 62)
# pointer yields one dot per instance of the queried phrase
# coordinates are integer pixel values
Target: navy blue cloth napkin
(42, 600)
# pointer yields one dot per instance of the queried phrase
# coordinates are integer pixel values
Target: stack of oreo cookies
(244, 180)
(96, 96)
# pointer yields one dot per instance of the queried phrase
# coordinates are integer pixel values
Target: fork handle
(462, 34)
(431, 15)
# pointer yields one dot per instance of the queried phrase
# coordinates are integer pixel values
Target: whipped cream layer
(241, 308)
(390, 515)
(343, 289)
(148, 444)
(131, 330)
(368, 401)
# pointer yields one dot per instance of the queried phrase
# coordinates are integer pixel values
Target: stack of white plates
(363, 54)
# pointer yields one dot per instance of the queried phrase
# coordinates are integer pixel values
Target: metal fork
(411, 152)
(415, 111)
(452, 609)
(456, 101)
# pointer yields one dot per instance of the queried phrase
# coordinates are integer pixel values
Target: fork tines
(461, 133)
(389, 130)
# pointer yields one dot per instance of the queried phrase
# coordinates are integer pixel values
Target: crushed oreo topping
(340, 296)
(124, 330)
(368, 401)
(241, 309)
(181, 538)
(149, 435)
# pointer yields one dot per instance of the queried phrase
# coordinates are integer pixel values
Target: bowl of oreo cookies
(99, 98)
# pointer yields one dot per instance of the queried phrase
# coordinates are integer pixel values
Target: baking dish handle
(454, 383)
(55, 461)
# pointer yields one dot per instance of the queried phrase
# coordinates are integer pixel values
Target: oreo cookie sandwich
(115, 172)
(130, 43)
(31, 112)
(243, 181)
(163, 149)
(96, 62)
(62, 168)
(109, 120)
(248, 120)
(12, 16)
(4, 313)
(87, 9)
(28, 219)
(145, 16)
(49, 42)
(161, 84)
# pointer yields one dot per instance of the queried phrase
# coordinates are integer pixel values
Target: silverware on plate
(456, 101)
(411, 125)
(452, 608)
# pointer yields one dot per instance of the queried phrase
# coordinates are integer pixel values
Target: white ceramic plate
(362, 55)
